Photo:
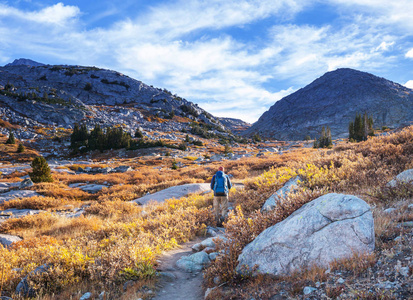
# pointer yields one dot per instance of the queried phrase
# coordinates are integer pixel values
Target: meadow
(116, 241)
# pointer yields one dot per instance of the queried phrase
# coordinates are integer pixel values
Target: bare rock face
(333, 100)
(330, 227)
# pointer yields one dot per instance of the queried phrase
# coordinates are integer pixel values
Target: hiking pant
(220, 207)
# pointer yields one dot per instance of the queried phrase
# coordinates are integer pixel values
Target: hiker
(221, 185)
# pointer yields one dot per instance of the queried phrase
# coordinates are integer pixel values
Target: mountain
(62, 95)
(235, 125)
(25, 62)
(333, 100)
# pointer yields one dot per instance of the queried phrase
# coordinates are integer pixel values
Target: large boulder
(331, 227)
(291, 186)
(403, 177)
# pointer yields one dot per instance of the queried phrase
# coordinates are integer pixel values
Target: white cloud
(180, 46)
(409, 53)
(385, 46)
(382, 11)
(409, 84)
(58, 14)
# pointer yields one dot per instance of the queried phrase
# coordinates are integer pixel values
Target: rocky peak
(25, 62)
(333, 100)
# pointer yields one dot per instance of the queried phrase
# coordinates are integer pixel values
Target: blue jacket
(219, 174)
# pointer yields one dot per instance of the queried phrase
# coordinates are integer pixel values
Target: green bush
(41, 170)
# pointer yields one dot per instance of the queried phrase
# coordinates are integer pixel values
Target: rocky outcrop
(291, 186)
(331, 227)
(333, 100)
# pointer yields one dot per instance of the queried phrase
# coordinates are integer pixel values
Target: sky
(234, 58)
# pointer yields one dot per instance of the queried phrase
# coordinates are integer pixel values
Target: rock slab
(6, 239)
(333, 226)
(289, 187)
(174, 192)
(404, 177)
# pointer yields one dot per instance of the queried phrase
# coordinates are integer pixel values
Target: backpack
(221, 184)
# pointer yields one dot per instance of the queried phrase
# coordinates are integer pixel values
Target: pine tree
(20, 148)
(11, 140)
(361, 128)
(325, 140)
(41, 170)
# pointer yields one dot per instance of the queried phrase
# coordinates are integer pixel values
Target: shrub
(138, 134)
(41, 170)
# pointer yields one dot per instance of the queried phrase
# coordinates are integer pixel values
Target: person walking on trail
(220, 184)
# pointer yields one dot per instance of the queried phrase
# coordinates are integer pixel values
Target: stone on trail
(193, 263)
(331, 227)
(404, 177)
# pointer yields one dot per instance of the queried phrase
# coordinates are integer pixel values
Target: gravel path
(177, 284)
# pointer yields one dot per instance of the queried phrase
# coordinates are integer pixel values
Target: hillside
(333, 100)
(36, 95)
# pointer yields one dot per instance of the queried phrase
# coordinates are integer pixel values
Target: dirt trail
(186, 286)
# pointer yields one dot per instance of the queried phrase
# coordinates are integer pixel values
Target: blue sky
(235, 58)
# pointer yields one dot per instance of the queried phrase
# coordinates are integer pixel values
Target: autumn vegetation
(116, 241)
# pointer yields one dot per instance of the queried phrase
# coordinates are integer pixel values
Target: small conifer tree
(360, 128)
(138, 133)
(20, 148)
(41, 170)
(324, 141)
(11, 140)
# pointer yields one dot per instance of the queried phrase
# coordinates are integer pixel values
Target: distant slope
(235, 125)
(333, 100)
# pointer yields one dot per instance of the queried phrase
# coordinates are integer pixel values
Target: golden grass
(36, 203)
(60, 191)
(117, 241)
